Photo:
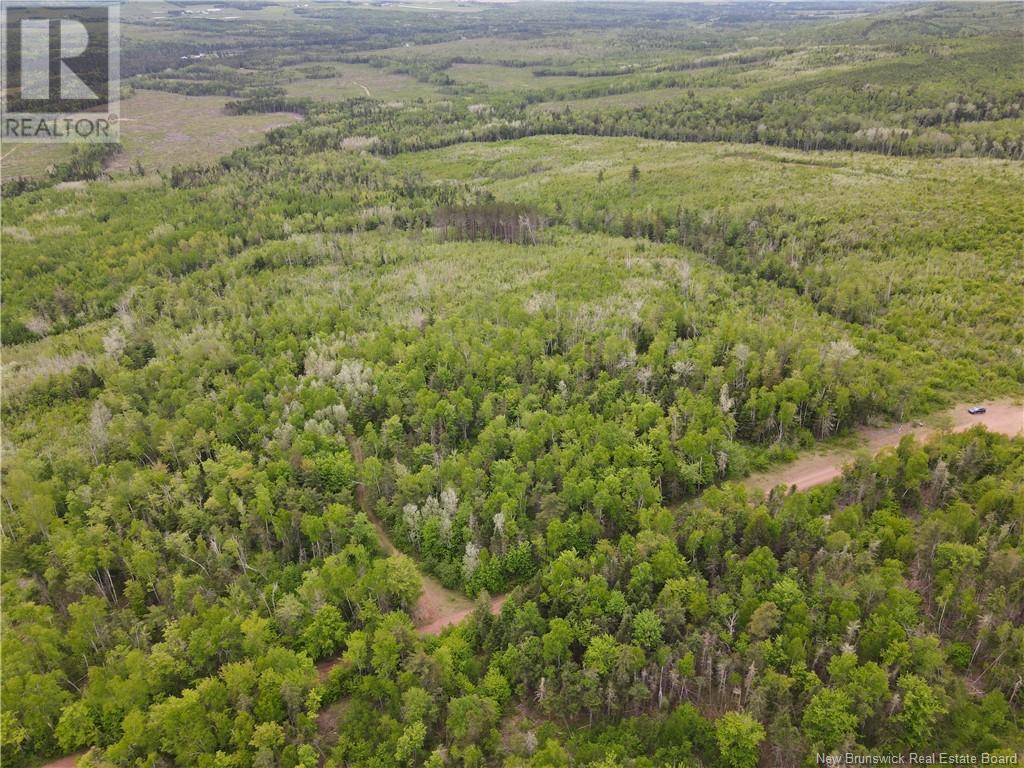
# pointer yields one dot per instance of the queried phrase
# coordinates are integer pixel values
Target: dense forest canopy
(416, 431)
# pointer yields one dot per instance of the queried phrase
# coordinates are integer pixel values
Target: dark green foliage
(489, 221)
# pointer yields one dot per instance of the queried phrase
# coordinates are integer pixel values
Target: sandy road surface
(1004, 416)
(438, 606)
(68, 761)
(454, 617)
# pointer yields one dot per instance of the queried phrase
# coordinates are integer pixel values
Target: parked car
(976, 410)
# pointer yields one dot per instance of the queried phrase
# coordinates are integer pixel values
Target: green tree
(765, 620)
(409, 748)
(396, 582)
(739, 738)
(828, 722)
(601, 654)
(325, 633)
(919, 710)
(557, 640)
(647, 629)
(77, 729)
(471, 719)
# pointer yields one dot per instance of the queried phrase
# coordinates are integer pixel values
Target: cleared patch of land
(359, 80)
(159, 130)
(451, 616)
(565, 50)
(847, 202)
(497, 77)
(31, 159)
(165, 129)
(68, 761)
(328, 719)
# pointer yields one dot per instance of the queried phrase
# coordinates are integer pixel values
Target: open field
(158, 131)
(30, 159)
(166, 129)
(353, 80)
(567, 50)
(882, 220)
(163, 129)
(498, 78)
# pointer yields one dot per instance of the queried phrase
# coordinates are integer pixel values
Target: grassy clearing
(166, 129)
(31, 159)
(359, 80)
(564, 50)
(160, 130)
(500, 78)
(847, 187)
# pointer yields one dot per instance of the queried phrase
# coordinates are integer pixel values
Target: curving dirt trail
(1004, 416)
(438, 606)
(68, 761)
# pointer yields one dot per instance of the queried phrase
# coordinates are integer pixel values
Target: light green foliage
(919, 709)
(410, 743)
(739, 737)
(601, 654)
(557, 640)
(496, 687)
(647, 629)
(828, 722)
(325, 633)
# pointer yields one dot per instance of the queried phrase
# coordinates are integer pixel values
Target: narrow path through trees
(438, 606)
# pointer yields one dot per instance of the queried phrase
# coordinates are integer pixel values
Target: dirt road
(1005, 416)
(448, 618)
(438, 606)
(68, 761)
